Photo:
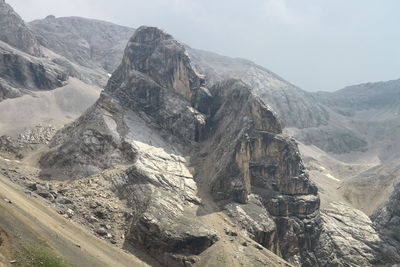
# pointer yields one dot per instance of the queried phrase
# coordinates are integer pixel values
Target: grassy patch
(36, 255)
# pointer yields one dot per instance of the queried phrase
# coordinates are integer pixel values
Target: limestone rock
(256, 220)
(387, 219)
(349, 239)
(155, 77)
(151, 170)
(21, 73)
(247, 154)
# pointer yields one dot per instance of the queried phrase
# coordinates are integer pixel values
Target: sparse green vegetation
(37, 255)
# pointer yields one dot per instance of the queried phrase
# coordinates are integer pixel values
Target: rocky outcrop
(155, 182)
(257, 221)
(387, 219)
(246, 157)
(7, 91)
(155, 77)
(21, 73)
(15, 32)
(26, 141)
(349, 238)
(124, 129)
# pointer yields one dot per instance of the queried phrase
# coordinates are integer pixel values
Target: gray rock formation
(156, 181)
(247, 157)
(22, 72)
(387, 219)
(349, 238)
(15, 32)
(86, 42)
(155, 115)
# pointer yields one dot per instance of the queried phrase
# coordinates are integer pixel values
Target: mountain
(158, 122)
(183, 159)
(168, 133)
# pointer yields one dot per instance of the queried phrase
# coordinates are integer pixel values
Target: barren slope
(31, 219)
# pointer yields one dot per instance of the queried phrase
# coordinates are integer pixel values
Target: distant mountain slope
(373, 111)
(297, 108)
(364, 96)
(87, 42)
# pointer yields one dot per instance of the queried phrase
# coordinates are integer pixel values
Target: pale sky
(314, 44)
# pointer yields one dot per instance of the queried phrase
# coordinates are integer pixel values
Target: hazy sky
(315, 44)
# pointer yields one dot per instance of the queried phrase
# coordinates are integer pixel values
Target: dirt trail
(28, 217)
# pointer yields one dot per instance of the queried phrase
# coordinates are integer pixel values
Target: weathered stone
(32, 186)
(45, 194)
(64, 190)
(101, 213)
(247, 154)
(349, 239)
(94, 204)
(101, 231)
(387, 221)
(256, 220)
(64, 200)
(70, 213)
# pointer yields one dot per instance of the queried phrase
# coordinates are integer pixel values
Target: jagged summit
(15, 32)
(157, 54)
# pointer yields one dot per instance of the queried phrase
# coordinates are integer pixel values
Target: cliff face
(155, 77)
(168, 143)
(387, 219)
(15, 32)
(25, 72)
(255, 171)
(21, 73)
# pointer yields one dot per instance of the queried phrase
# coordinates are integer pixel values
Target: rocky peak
(15, 32)
(157, 54)
(168, 134)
